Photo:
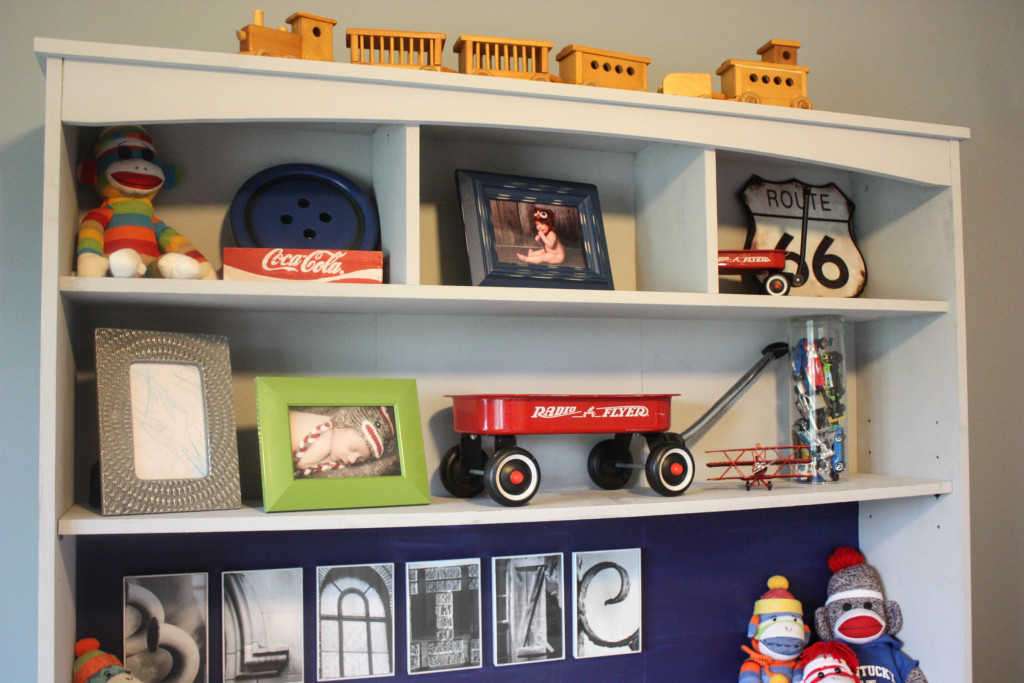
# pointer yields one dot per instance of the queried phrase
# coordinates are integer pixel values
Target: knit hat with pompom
(778, 598)
(91, 660)
(849, 571)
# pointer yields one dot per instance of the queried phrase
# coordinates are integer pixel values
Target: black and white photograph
(608, 607)
(355, 621)
(262, 625)
(166, 627)
(444, 615)
(529, 609)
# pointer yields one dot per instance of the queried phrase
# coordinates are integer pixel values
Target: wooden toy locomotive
(311, 37)
(777, 79)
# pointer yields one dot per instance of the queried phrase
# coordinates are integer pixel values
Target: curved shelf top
(227, 87)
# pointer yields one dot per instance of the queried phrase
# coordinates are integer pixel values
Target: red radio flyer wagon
(767, 262)
(512, 475)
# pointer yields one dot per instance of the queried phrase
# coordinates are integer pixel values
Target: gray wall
(941, 61)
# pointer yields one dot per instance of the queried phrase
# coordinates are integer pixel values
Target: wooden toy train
(777, 79)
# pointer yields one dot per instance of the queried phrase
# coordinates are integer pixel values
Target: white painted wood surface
(667, 168)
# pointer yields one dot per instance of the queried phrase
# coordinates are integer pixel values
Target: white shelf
(473, 301)
(546, 506)
(668, 169)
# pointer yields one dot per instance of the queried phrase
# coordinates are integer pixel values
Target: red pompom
(844, 557)
(86, 645)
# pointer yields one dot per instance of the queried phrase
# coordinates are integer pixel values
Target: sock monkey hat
(855, 610)
(778, 598)
(92, 664)
(777, 627)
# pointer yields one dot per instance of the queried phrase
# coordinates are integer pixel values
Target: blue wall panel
(701, 575)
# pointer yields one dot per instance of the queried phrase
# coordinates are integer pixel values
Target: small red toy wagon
(768, 262)
(512, 475)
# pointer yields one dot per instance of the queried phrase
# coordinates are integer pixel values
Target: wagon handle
(800, 277)
(768, 354)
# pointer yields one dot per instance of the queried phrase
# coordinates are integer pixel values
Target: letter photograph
(344, 441)
(444, 615)
(529, 609)
(355, 621)
(608, 606)
(166, 625)
(262, 625)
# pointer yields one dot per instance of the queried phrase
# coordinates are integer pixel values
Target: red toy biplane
(763, 464)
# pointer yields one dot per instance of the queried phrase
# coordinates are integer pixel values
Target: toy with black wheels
(512, 476)
(669, 468)
(610, 466)
(456, 479)
(776, 284)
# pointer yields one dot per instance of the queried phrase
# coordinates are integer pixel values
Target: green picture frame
(286, 487)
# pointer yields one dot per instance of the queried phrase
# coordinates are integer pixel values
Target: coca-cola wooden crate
(313, 265)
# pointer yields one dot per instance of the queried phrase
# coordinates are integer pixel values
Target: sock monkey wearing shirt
(122, 235)
(857, 613)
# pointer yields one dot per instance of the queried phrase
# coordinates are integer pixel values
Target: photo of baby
(343, 441)
(537, 234)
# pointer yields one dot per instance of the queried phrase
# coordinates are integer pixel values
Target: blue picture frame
(533, 232)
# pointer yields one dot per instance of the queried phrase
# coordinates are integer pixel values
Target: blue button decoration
(302, 206)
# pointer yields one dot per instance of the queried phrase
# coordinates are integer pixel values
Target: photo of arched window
(355, 616)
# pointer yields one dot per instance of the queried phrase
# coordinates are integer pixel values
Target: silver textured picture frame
(166, 422)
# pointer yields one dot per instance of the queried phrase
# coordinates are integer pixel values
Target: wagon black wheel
(601, 465)
(776, 284)
(512, 476)
(455, 479)
(669, 468)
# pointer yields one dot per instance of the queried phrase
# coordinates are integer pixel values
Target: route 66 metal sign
(814, 225)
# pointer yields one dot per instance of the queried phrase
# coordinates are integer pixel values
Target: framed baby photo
(166, 422)
(330, 443)
(533, 232)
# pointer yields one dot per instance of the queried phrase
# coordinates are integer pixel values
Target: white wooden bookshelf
(667, 169)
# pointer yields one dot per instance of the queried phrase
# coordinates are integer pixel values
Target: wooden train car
(310, 37)
(591, 66)
(402, 49)
(777, 79)
(693, 85)
(506, 57)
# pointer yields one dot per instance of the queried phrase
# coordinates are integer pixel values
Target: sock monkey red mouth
(142, 181)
